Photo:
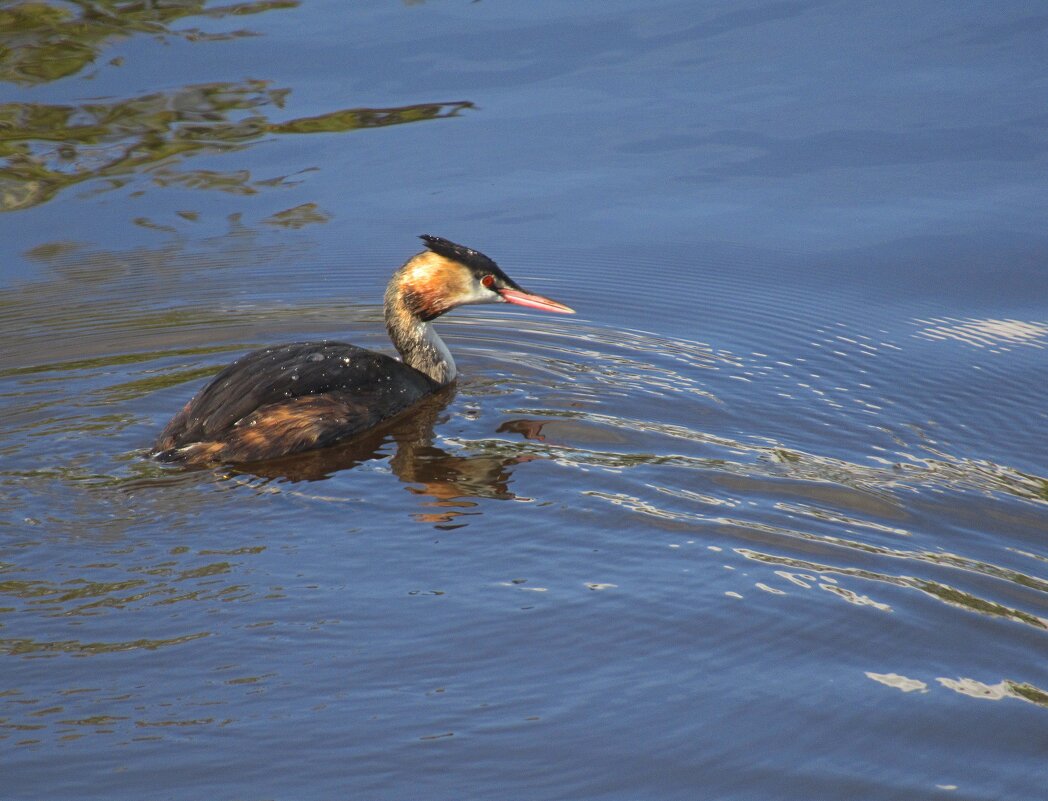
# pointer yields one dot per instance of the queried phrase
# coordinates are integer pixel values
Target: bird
(287, 399)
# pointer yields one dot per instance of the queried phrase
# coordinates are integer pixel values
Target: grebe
(291, 398)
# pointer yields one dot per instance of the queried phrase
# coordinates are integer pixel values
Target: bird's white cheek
(481, 294)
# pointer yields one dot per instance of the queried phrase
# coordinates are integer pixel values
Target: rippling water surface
(766, 519)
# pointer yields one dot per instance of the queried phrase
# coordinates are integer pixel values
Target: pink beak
(521, 298)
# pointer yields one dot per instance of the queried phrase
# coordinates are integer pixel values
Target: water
(766, 519)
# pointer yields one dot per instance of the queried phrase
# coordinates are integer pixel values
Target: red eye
(488, 281)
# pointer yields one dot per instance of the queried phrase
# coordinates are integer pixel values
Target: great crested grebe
(291, 398)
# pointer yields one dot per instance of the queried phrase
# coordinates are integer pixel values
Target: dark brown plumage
(288, 399)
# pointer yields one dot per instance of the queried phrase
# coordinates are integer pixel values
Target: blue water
(765, 519)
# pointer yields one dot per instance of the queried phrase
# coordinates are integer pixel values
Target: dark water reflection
(765, 520)
(449, 479)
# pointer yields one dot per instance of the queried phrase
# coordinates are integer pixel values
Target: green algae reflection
(46, 41)
(47, 148)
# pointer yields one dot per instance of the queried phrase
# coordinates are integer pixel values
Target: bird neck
(415, 339)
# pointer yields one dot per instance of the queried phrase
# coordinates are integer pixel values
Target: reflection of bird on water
(447, 484)
(284, 400)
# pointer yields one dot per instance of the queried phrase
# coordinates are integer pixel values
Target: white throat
(420, 346)
(441, 367)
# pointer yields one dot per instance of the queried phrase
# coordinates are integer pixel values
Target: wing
(309, 393)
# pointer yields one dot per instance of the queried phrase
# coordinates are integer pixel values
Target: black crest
(473, 259)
